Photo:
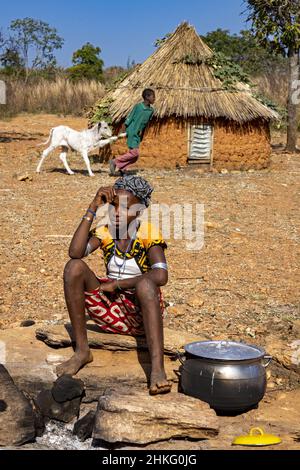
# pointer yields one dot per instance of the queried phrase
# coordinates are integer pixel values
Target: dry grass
(60, 96)
(274, 87)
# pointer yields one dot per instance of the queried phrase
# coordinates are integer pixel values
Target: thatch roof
(185, 84)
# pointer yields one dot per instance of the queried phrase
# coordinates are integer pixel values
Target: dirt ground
(242, 284)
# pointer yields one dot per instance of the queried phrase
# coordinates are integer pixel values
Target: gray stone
(50, 408)
(83, 428)
(60, 336)
(127, 415)
(17, 419)
(39, 421)
(3, 406)
(32, 364)
(66, 388)
(23, 177)
(27, 323)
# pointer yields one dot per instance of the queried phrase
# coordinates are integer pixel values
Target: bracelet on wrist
(92, 212)
(89, 219)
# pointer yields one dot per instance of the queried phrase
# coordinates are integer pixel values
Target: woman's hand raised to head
(104, 195)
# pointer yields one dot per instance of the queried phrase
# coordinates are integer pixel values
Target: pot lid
(224, 350)
(254, 439)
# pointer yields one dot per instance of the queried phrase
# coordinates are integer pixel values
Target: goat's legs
(87, 162)
(44, 155)
(104, 142)
(63, 157)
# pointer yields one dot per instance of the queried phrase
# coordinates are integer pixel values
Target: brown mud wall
(241, 147)
(236, 147)
(164, 145)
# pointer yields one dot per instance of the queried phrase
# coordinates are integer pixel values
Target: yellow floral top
(147, 236)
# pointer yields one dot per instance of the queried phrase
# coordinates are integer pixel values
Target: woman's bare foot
(159, 383)
(72, 366)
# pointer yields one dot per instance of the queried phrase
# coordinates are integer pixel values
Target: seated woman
(128, 301)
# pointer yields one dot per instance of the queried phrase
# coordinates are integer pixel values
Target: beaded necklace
(121, 267)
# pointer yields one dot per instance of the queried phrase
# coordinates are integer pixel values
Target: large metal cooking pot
(230, 376)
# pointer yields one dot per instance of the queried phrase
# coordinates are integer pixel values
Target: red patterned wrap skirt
(117, 312)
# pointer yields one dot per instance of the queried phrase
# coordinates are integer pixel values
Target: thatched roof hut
(197, 118)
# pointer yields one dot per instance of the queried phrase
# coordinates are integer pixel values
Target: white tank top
(130, 268)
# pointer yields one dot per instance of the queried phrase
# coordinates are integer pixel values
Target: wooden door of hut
(200, 143)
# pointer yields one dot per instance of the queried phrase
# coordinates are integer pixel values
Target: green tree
(278, 22)
(9, 57)
(35, 42)
(2, 40)
(87, 63)
(244, 49)
(113, 73)
(11, 62)
(160, 41)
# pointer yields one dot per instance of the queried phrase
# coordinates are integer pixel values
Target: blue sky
(125, 28)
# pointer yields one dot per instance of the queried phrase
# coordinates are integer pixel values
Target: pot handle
(180, 357)
(255, 430)
(268, 359)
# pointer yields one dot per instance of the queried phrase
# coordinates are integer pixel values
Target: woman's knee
(146, 289)
(74, 269)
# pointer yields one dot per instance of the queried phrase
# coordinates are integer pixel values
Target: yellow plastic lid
(254, 439)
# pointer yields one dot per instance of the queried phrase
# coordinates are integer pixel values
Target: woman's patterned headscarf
(138, 186)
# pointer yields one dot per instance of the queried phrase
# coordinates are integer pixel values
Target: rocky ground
(173, 421)
(242, 285)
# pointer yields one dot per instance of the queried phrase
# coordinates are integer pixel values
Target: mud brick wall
(235, 147)
(164, 145)
(241, 147)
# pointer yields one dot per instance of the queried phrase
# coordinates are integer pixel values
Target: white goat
(82, 142)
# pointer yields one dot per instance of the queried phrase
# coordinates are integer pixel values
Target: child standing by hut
(135, 125)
